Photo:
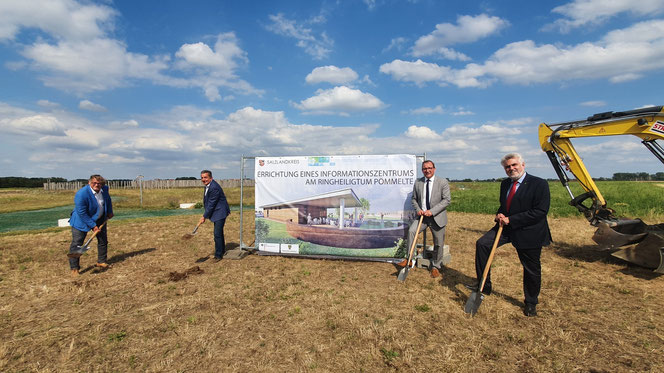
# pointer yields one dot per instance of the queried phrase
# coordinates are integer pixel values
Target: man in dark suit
(431, 196)
(216, 209)
(524, 204)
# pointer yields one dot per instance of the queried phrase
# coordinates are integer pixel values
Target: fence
(148, 184)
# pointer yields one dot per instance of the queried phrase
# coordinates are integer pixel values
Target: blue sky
(167, 88)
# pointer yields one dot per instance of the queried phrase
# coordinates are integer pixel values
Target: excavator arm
(613, 232)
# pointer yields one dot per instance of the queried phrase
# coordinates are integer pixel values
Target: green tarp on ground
(48, 218)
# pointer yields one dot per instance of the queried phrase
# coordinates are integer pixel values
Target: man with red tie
(524, 204)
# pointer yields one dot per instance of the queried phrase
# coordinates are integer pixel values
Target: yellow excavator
(628, 239)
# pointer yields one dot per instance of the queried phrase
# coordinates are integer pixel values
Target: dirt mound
(177, 276)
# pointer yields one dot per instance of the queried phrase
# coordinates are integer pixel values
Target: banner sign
(348, 206)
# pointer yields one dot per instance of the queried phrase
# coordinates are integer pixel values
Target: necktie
(510, 196)
(428, 203)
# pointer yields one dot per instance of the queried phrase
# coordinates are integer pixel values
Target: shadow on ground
(592, 254)
(119, 258)
(229, 246)
(455, 280)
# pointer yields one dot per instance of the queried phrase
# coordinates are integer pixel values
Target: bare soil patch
(265, 314)
(178, 276)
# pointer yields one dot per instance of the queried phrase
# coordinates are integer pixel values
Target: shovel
(404, 271)
(80, 250)
(476, 297)
(190, 235)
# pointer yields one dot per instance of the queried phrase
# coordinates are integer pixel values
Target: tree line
(35, 182)
(38, 182)
(27, 182)
(638, 176)
(618, 176)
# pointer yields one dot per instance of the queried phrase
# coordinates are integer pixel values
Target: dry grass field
(267, 314)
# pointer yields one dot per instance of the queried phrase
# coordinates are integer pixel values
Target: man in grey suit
(431, 196)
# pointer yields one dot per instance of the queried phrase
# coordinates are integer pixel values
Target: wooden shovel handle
(488, 263)
(95, 233)
(412, 245)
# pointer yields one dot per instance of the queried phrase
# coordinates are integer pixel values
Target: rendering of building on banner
(307, 219)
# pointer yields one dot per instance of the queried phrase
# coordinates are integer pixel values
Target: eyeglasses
(427, 168)
(95, 183)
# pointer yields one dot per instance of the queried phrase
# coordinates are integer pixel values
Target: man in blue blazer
(524, 204)
(434, 210)
(216, 209)
(92, 207)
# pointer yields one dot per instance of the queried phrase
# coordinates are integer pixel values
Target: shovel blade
(473, 303)
(80, 250)
(403, 273)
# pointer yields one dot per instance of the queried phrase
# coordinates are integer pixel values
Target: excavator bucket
(645, 243)
(613, 234)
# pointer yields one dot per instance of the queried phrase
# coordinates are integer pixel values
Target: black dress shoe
(475, 288)
(530, 309)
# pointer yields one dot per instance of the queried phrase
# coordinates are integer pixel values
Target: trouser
(530, 260)
(77, 239)
(438, 238)
(219, 242)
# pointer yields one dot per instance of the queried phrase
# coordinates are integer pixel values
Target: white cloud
(73, 139)
(47, 104)
(421, 133)
(597, 103)
(396, 44)
(131, 123)
(461, 111)
(37, 124)
(97, 64)
(621, 55)
(64, 19)
(367, 80)
(174, 147)
(78, 54)
(214, 68)
(467, 30)
(583, 12)
(331, 74)
(517, 122)
(221, 62)
(183, 117)
(153, 139)
(91, 106)
(438, 109)
(340, 100)
(485, 130)
(371, 4)
(451, 54)
(418, 72)
(316, 47)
